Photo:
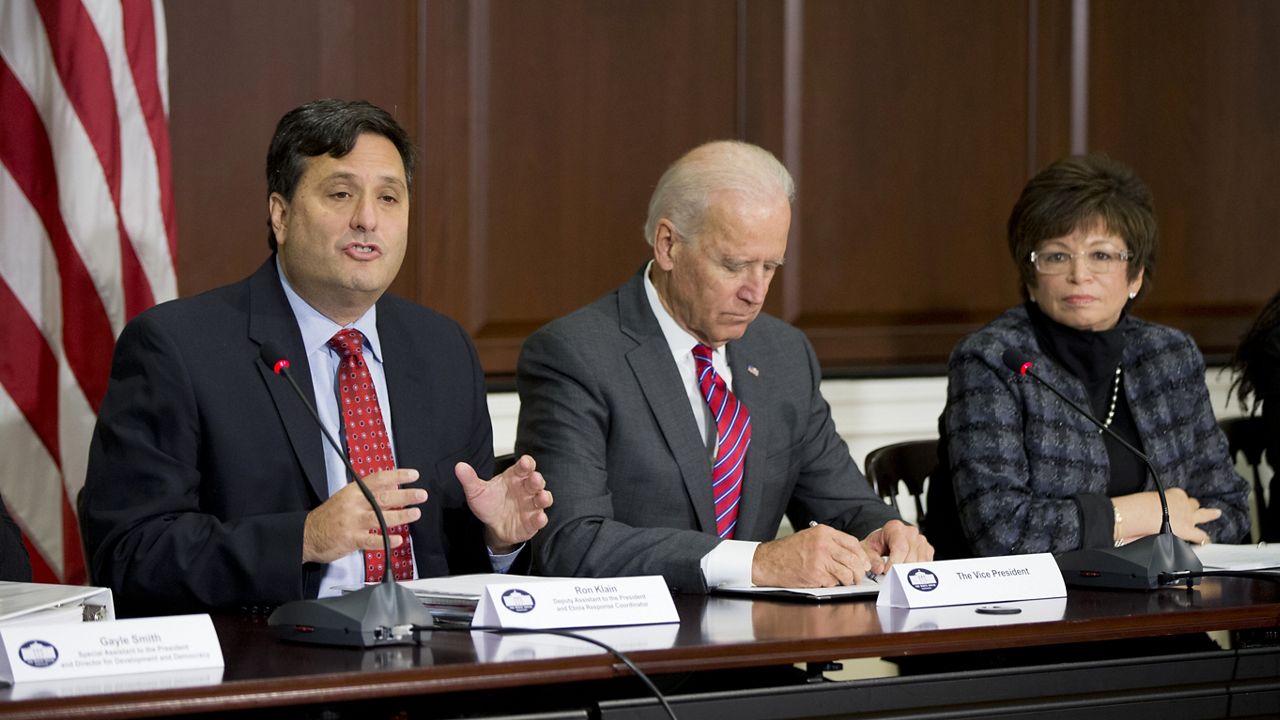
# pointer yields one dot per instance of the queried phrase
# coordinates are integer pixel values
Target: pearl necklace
(1115, 398)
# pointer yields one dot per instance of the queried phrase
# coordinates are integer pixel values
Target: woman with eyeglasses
(1027, 472)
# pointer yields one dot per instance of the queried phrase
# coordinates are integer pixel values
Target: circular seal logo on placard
(922, 580)
(518, 601)
(38, 653)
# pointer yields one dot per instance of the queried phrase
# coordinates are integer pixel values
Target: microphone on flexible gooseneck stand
(382, 614)
(1145, 563)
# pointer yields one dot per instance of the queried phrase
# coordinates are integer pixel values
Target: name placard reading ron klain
(979, 580)
(567, 603)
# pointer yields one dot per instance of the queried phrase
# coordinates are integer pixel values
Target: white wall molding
(868, 413)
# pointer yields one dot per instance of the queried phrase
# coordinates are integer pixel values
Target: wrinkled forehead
(748, 226)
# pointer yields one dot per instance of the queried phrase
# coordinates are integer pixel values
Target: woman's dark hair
(1249, 350)
(1077, 193)
(326, 127)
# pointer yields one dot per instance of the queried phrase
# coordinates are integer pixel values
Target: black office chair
(1247, 436)
(908, 463)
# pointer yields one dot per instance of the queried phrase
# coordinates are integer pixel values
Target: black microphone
(382, 614)
(1143, 564)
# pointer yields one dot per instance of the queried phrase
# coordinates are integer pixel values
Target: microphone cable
(419, 629)
(1266, 573)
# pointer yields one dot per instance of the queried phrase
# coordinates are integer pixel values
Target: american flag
(87, 239)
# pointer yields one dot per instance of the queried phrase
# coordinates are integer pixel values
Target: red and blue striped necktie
(733, 437)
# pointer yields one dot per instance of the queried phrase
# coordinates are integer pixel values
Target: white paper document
(1239, 557)
(867, 588)
(463, 590)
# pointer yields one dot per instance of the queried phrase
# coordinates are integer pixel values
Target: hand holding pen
(818, 556)
(870, 574)
(896, 542)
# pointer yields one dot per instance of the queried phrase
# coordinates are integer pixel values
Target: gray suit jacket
(604, 411)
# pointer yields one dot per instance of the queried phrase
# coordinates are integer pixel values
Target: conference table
(1095, 651)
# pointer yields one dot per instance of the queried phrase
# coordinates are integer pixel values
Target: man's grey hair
(725, 166)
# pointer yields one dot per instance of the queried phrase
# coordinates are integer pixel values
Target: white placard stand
(965, 582)
(951, 617)
(115, 647)
(577, 603)
(492, 647)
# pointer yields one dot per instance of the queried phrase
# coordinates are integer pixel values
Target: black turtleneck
(1092, 357)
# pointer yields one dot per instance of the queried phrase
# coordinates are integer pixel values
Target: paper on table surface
(1239, 557)
(866, 587)
(463, 589)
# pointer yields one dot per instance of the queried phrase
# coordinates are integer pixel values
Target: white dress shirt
(347, 572)
(729, 563)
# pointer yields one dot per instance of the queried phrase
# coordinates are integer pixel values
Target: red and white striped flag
(87, 239)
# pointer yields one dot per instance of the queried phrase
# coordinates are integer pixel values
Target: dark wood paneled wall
(910, 127)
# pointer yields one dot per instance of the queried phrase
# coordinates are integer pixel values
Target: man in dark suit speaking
(210, 486)
(676, 424)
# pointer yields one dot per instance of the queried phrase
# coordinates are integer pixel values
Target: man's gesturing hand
(342, 524)
(512, 506)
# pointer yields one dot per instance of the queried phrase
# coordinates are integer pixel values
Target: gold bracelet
(1119, 520)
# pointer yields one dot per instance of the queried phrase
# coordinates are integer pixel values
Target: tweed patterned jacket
(1019, 455)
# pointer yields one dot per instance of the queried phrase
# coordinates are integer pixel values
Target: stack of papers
(1239, 557)
(866, 588)
(461, 591)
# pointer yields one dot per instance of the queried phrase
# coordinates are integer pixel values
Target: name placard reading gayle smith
(114, 647)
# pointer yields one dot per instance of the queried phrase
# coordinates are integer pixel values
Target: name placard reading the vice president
(577, 603)
(965, 582)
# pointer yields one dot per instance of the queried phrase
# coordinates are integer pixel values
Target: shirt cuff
(729, 563)
(502, 563)
(1097, 520)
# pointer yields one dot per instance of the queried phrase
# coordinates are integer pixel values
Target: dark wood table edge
(339, 687)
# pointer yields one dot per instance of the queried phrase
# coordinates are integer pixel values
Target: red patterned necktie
(733, 436)
(367, 446)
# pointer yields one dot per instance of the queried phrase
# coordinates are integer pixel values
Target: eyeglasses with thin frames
(1099, 262)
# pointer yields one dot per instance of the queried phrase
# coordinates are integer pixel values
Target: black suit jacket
(15, 565)
(204, 464)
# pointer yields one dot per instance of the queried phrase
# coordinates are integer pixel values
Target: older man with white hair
(676, 424)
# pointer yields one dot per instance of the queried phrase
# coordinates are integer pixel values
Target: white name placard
(116, 647)
(951, 617)
(577, 602)
(134, 682)
(980, 580)
(492, 647)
